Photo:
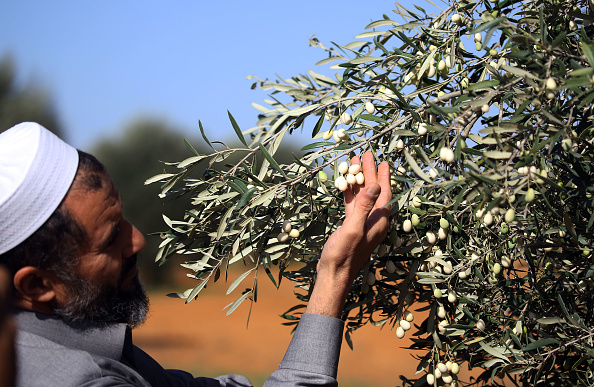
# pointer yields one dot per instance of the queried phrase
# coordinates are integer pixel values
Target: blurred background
(127, 81)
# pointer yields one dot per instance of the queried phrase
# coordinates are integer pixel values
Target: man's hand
(350, 246)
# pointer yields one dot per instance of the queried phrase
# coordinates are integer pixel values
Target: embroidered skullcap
(36, 171)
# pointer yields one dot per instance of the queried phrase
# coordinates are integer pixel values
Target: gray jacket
(53, 353)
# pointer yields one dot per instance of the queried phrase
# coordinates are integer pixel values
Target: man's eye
(114, 236)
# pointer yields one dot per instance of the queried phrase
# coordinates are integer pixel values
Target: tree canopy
(483, 108)
(24, 103)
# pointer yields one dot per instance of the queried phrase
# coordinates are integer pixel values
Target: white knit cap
(36, 171)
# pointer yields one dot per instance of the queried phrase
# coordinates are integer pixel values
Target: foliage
(20, 104)
(492, 214)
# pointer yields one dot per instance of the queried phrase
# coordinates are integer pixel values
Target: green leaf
(498, 352)
(538, 344)
(318, 126)
(483, 85)
(194, 292)
(368, 35)
(328, 60)
(588, 52)
(272, 161)
(576, 82)
(159, 177)
(246, 197)
(302, 110)
(314, 145)
(265, 198)
(550, 320)
(237, 130)
(223, 222)
(364, 59)
(203, 136)
(235, 304)
(519, 72)
(381, 23)
(500, 155)
(238, 280)
(371, 117)
(407, 26)
(582, 72)
(190, 161)
(322, 78)
(487, 25)
(415, 167)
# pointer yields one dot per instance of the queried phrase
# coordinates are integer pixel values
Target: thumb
(364, 203)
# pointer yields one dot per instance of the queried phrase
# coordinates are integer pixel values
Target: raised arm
(348, 248)
(312, 356)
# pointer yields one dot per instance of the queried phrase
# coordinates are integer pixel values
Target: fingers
(369, 169)
(349, 194)
(363, 205)
(356, 188)
(349, 202)
(375, 192)
(384, 182)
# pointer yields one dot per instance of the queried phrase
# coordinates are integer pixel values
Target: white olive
(351, 179)
(551, 84)
(346, 118)
(354, 169)
(446, 154)
(405, 325)
(441, 312)
(480, 325)
(452, 297)
(360, 178)
(406, 225)
(408, 316)
(442, 234)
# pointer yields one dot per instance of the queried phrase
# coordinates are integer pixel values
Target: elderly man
(72, 257)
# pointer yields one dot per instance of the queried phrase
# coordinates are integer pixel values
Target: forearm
(329, 294)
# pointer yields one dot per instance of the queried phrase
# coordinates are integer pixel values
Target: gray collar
(106, 341)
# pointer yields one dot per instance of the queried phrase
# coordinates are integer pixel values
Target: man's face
(105, 287)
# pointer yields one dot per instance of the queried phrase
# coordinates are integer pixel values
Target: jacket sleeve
(313, 354)
(310, 360)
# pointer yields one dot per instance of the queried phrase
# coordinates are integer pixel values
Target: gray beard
(99, 305)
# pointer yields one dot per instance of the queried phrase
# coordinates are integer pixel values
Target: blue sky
(107, 62)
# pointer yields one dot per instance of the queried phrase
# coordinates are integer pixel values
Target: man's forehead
(93, 192)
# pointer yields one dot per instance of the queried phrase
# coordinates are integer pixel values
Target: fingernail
(374, 190)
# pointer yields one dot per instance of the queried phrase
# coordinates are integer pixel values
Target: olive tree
(482, 108)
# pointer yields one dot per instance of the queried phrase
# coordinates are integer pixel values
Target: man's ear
(35, 286)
